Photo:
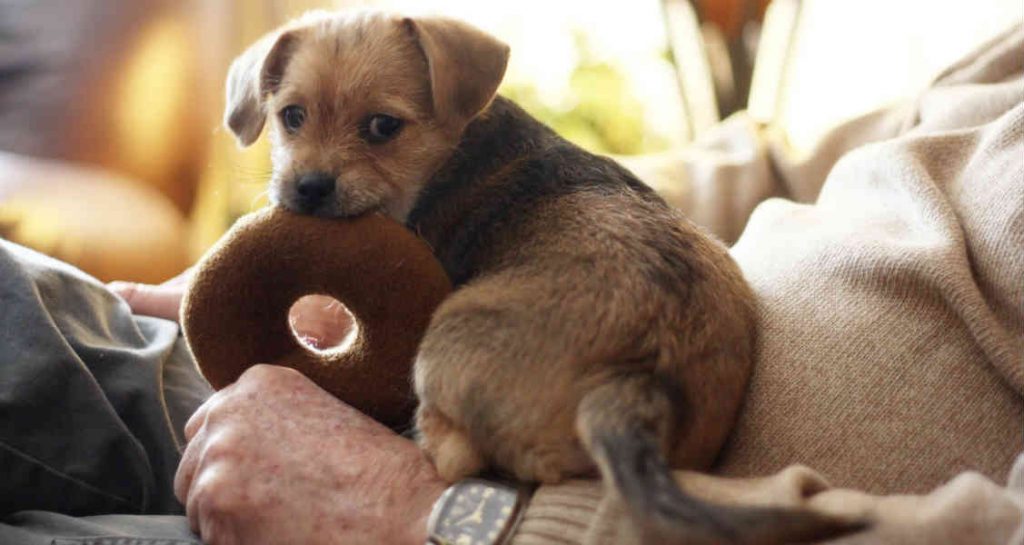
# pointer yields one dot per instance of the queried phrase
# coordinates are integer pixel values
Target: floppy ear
(253, 75)
(466, 65)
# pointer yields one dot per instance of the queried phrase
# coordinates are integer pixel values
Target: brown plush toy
(235, 313)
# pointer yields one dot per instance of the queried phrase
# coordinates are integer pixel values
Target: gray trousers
(93, 401)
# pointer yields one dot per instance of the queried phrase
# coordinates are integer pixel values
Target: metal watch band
(476, 512)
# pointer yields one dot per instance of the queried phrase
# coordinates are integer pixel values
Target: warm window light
(853, 57)
(695, 82)
(774, 48)
(545, 37)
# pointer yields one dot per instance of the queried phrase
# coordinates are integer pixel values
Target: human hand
(320, 321)
(161, 300)
(274, 459)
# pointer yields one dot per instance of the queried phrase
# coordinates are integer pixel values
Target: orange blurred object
(107, 121)
(104, 224)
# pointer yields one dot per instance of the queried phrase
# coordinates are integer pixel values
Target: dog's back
(586, 273)
(593, 327)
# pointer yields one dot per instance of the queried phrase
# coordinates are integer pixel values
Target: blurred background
(112, 156)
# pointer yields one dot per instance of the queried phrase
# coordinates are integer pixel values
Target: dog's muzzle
(313, 190)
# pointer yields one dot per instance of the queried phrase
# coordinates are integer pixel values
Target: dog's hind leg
(447, 445)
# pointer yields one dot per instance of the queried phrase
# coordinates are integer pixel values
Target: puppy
(593, 327)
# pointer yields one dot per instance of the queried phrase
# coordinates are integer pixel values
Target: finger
(196, 421)
(159, 301)
(323, 323)
(187, 468)
(214, 528)
(198, 418)
(192, 513)
(182, 279)
(204, 521)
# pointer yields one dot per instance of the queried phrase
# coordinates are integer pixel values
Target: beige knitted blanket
(891, 346)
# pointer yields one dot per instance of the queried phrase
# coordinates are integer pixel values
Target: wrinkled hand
(274, 459)
(320, 321)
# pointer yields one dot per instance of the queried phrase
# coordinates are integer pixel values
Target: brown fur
(342, 69)
(593, 327)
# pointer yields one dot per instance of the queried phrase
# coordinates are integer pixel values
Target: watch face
(474, 512)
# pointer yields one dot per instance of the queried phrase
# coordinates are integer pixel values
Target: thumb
(159, 301)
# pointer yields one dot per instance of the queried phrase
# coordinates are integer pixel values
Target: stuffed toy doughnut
(235, 312)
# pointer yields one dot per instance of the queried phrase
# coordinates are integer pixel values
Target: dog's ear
(253, 75)
(466, 65)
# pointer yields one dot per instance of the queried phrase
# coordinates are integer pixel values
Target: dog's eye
(293, 117)
(380, 128)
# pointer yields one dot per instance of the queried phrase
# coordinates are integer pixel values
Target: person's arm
(719, 179)
(275, 459)
(967, 509)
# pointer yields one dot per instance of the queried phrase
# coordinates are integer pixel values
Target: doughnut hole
(322, 324)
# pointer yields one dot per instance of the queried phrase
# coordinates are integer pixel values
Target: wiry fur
(593, 327)
(573, 273)
(343, 68)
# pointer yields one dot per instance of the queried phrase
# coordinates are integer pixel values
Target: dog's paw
(551, 463)
(447, 445)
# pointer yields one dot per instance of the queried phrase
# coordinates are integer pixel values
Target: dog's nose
(314, 187)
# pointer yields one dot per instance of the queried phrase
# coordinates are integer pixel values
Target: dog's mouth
(337, 207)
(323, 209)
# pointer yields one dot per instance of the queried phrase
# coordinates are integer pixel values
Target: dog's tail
(626, 425)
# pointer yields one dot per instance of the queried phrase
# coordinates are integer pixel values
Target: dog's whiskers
(251, 175)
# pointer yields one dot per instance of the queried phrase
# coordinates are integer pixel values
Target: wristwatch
(476, 512)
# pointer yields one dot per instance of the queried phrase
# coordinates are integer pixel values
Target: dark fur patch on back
(505, 165)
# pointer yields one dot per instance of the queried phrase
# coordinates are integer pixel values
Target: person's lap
(92, 405)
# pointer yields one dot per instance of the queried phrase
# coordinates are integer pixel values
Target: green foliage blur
(600, 114)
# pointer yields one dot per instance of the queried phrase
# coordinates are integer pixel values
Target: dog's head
(364, 107)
